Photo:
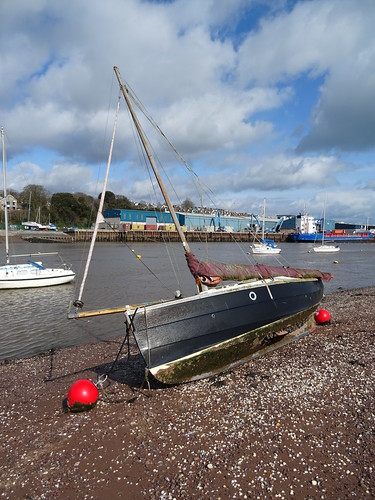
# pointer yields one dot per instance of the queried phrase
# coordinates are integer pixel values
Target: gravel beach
(296, 423)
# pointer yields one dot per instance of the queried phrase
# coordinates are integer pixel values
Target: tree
(112, 200)
(109, 199)
(35, 200)
(187, 205)
(72, 210)
(14, 193)
(88, 208)
(123, 202)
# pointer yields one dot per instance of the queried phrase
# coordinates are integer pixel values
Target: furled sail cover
(246, 271)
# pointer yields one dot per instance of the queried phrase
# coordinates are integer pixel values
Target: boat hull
(264, 250)
(191, 338)
(318, 237)
(326, 249)
(265, 247)
(28, 276)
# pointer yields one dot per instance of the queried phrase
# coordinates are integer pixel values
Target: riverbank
(36, 236)
(84, 235)
(129, 236)
(298, 422)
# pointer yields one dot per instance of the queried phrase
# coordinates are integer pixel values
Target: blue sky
(265, 99)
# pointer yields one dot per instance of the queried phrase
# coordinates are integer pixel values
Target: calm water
(33, 321)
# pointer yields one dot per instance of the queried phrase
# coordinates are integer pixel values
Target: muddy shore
(296, 423)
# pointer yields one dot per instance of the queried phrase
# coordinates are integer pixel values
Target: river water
(35, 320)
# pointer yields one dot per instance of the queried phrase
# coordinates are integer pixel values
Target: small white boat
(323, 248)
(326, 249)
(36, 226)
(266, 246)
(30, 274)
(33, 274)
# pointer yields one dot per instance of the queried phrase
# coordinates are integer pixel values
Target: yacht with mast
(30, 274)
(265, 246)
(239, 310)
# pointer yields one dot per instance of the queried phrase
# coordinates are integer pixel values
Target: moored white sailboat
(31, 274)
(324, 248)
(266, 246)
(183, 339)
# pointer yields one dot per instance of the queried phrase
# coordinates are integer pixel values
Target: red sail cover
(246, 271)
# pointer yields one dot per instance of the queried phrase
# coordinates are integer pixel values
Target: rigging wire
(196, 179)
(83, 259)
(190, 170)
(99, 216)
(200, 187)
(193, 175)
(149, 269)
(142, 154)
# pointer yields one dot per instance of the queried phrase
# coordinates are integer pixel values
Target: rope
(149, 269)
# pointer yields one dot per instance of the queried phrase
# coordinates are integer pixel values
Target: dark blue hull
(222, 326)
(312, 237)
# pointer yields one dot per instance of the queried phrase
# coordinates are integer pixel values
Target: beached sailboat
(324, 248)
(30, 274)
(266, 246)
(183, 339)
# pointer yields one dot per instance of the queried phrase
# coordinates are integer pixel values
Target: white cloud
(332, 39)
(220, 82)
(65, 177)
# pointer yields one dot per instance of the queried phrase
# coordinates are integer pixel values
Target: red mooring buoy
(322, 317)
(82, 396)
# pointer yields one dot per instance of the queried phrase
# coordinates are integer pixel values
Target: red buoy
(322, 317)
(82, 395)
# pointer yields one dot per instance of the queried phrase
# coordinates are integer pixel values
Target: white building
(11, 203)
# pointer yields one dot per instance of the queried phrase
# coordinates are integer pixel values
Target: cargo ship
(307, 230)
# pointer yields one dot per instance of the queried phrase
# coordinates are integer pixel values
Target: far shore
(147, 236)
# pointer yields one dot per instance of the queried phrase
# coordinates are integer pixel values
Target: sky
(267, 99)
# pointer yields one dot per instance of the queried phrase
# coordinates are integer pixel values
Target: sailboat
(223, 325)
(32, 273)
(266, 246)
(324, 248)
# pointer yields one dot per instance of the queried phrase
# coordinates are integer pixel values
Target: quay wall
(83, 235)
(191, 236)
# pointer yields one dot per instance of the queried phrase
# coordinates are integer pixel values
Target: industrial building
(127, 219)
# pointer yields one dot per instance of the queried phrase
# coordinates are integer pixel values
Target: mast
(324, 217)
(5, 200)
(154, 167)
(264, 218)
(99, 215)
(29, 210)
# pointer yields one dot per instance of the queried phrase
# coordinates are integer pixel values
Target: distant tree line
(35, 203)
